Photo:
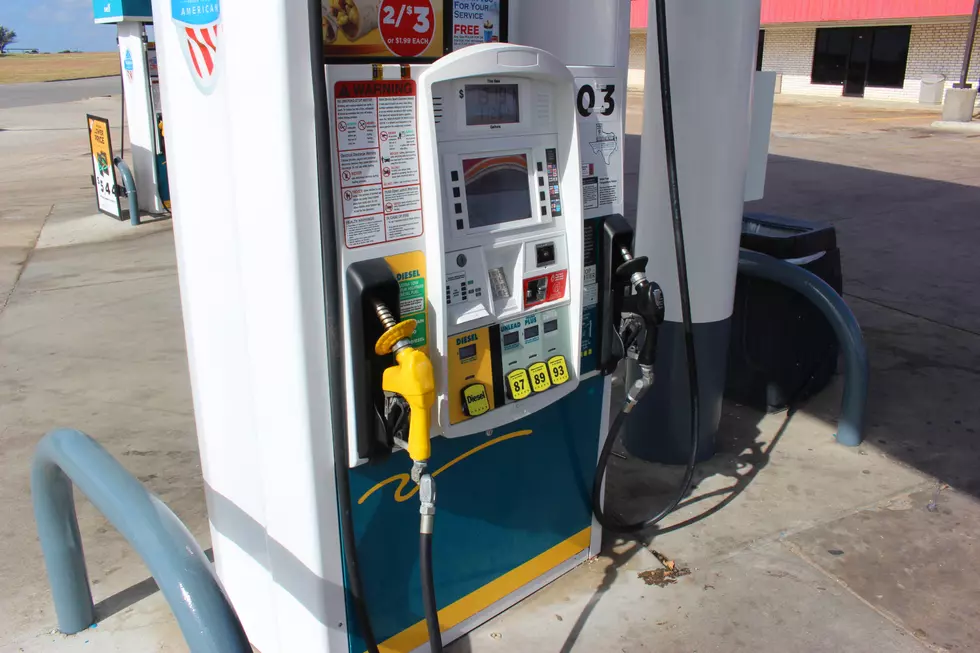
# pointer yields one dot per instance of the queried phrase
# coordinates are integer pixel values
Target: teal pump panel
(117, 11)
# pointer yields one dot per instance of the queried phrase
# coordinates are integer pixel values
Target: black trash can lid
(786, 238)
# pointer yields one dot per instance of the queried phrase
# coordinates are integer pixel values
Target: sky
(53, 25)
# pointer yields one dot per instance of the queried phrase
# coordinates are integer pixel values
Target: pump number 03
(589, 96)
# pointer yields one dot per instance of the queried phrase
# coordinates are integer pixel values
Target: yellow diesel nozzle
(412, 379)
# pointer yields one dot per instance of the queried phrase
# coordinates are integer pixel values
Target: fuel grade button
(475, 400)
(518, 385)
(559, 369)
(539, 377)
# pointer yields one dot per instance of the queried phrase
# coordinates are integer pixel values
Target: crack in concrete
(884, 614)
(27, 261)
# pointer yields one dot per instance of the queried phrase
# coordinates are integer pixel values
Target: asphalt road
(35, 93)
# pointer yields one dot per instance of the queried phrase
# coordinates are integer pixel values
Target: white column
(712, 47)
(139, 114)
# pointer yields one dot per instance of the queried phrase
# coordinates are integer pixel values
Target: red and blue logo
(128, 64)
(198, 25)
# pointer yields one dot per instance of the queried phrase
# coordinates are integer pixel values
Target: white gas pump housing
(278, 164)
(499, 155)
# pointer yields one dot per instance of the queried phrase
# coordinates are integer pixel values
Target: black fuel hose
(615, 430)
(429, 593)
(334, 314)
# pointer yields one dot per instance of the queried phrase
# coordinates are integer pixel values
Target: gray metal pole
(183, 573)
(850, 424)
(129, 183)
(968, 53)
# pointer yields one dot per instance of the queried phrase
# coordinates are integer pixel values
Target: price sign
(407, 26)
(539, 377)
(104, 174)
(558, 369)
(518, 384)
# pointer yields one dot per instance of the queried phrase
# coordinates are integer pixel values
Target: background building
(877, 49)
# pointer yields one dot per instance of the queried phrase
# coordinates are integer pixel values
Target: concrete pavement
(792, 541)
(39, 93)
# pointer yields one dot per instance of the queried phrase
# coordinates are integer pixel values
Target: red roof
(818, 11)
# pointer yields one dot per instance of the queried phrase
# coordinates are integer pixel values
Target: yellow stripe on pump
(471, 604)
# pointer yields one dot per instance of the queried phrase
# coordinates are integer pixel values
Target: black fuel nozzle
(646, 302)
(649, 305)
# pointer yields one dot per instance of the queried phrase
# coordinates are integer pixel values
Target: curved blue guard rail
(183, 573)
(850, 425)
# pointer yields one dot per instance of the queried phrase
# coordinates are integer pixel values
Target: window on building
(830, 56)
(889, 54)
(885, 68)
(759, 49)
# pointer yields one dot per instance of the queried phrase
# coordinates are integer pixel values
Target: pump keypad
(558, 369)
(518, 385)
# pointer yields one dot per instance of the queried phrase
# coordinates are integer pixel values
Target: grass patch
(18, 68)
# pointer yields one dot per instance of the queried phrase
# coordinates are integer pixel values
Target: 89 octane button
(539, 377)
(518, 385)
(559, 369)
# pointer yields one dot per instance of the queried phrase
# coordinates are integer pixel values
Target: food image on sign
(375, 29)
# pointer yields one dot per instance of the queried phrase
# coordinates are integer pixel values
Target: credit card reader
(503, 227)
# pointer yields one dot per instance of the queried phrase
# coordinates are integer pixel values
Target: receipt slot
(502, 191)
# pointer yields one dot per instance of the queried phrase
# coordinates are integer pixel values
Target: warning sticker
(403, 198)
(600, 127)
(369, 230)
(363, 200)
(377, 136)
(399, 142)
(590, 193)
(404, 225)
(359, 167)
(409, 269)
(357, 123)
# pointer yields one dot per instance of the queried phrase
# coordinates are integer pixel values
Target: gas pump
(403, 263)
(141, 93)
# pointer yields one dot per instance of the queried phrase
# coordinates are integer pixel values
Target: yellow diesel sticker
(558, 369)
(539, 377)
(518, 384)
(475, 400)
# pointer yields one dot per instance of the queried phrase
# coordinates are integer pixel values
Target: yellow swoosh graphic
(404, 479)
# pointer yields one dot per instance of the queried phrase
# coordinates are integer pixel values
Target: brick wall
(933, 48)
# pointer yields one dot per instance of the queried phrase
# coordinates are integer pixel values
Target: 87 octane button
(558, 369)
(518, 385)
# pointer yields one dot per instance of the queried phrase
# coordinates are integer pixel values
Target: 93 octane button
(539, 377)
(559, 369)
(518, 385)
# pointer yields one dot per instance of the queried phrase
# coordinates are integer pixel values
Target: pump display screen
(492, 104)
(497, 189)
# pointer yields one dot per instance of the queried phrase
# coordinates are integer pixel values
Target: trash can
(931, 90)
(782, 349)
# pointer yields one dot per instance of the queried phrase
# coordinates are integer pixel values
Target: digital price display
(492, 104)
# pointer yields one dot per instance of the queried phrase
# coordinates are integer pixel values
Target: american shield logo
(198, 25)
